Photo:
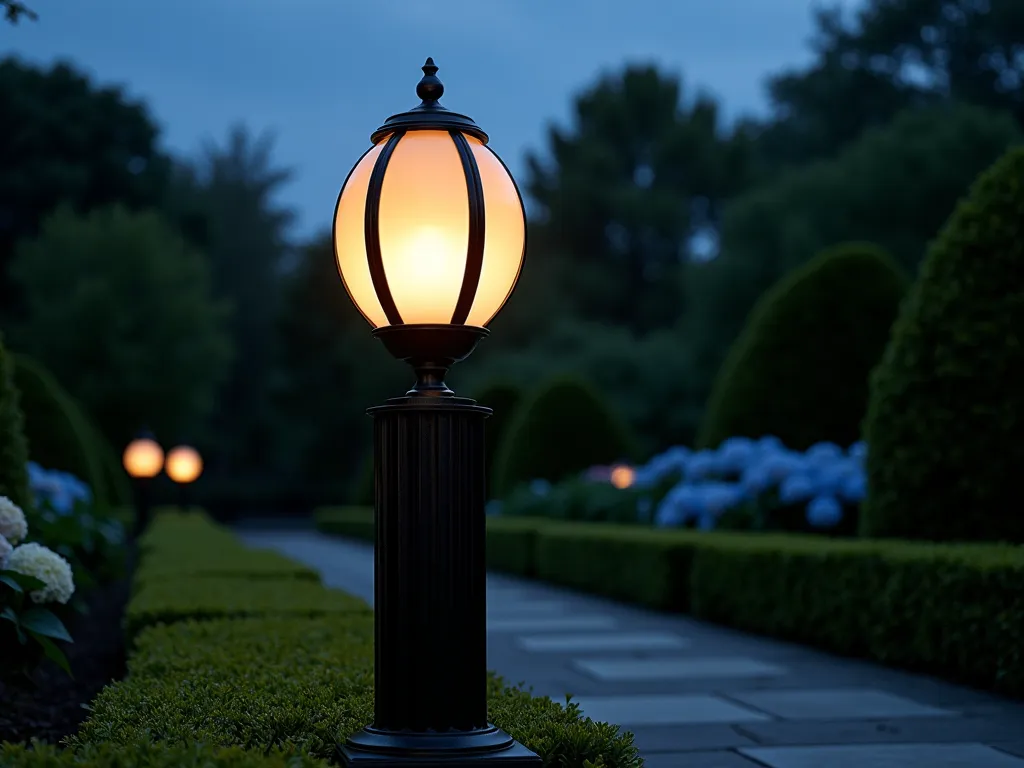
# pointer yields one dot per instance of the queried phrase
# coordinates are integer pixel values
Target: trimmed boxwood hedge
(146, 754)
(350, 522)
(952, 610)
(266, 690)
(511, 542)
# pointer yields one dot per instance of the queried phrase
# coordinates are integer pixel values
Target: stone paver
(697, 695)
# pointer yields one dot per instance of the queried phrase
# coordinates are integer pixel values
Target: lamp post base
(396, 749)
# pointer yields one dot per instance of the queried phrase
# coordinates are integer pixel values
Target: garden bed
(56, 706)
(193, 698)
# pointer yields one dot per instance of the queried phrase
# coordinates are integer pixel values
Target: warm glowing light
(184, 464)
(143, 458)
(622, 476)
(424, 231)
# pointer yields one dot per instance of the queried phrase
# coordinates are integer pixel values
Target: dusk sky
(323, 74)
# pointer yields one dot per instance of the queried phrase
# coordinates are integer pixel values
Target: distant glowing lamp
(622, 477)
(184, 464)
(143, 458)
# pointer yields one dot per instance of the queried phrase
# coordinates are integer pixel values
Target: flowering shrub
(57, 490)
(744, 483)
(759, 484)
(28, 627)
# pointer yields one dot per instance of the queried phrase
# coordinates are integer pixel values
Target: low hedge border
(350, 522)
(270, 689)
(511, 541)
(956, 611)
(952, 610)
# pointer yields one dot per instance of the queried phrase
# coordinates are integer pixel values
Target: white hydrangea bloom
(13, 525)
(5, 550)
(46, 565)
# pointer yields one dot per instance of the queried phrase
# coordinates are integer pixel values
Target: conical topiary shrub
(945, 426)
(503, 398)
(800, 368)
(566, 427)
(58, 435)
(13, 448)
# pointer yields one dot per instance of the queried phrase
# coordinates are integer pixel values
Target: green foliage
(643, 167)
(13, 447)
(145, 754)
(313, 686)
(208, 597)
(14, 11)
(511, 544)
(873, 598)
(953, 611)
(893, 186)
(566, 427)
(325, 343)
(131, 281)
(502, 397)
(115, 479)
(645, 377)
(350, 522)
(800, 369)
(58, 435)
(947, 407)
(228, 196)
(857, 76)
(28, 631)
(195, 680)
(577, 499)
(188, 544)
(65, 140)
(649, 567)
(363, 486)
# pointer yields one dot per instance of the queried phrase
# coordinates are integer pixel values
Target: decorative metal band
(371, 231)
(477, 229)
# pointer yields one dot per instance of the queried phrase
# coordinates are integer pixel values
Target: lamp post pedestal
(143, 504)
(430, 599)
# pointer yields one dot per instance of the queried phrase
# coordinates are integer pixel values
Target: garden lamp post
(143, 459)
(183, 465)
(430, 234)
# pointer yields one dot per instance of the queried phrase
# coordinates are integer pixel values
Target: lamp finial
(430, 89)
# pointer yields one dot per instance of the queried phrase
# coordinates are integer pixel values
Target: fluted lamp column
(430, 235)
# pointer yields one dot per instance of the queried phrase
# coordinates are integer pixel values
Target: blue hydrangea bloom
(854, 487)
(824, 511)
(858, 450)
(540, 487)
(796, 488)
(701, 465)
(770, 443)
(756, 479)
(824, 452)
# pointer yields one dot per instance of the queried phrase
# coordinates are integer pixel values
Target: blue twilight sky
(322, 74)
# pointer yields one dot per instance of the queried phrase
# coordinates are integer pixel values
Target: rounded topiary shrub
(13, 448)
(57, 432)
(115, 479)
(503, 398)
(945, 426)
(566, 427)
(800, 368)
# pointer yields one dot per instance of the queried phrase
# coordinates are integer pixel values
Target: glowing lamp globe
(143, 458)
(429, 231)
(184, 464)
(622, 476)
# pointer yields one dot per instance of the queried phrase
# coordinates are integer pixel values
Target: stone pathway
(701, 696)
